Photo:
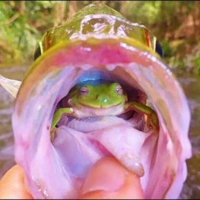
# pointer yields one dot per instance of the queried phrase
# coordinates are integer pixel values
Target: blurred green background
(176, 24)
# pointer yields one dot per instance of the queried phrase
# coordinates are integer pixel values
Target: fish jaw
(120, 60)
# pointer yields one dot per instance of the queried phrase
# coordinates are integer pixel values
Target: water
(191, 86)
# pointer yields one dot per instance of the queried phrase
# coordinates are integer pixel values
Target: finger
(109, 179)
(12, 185)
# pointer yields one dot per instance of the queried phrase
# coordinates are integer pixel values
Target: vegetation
(175, 23)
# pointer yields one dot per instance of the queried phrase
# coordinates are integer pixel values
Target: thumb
(108, 179)
(12, 185)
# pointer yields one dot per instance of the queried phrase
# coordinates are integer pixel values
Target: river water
(191, 86)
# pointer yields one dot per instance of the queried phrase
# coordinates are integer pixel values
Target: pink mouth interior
(79, 144)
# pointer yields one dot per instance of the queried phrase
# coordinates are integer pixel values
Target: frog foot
(152, 122)
(53, 133)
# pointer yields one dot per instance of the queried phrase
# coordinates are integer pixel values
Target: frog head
(97, 95)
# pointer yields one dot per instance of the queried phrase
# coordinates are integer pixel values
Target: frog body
(103, 99)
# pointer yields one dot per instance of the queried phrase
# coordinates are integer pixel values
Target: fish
(99, 43)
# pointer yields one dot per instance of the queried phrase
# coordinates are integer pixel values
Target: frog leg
(56, 118)
(152, 118)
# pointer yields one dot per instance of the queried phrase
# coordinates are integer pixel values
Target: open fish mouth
(158, 158)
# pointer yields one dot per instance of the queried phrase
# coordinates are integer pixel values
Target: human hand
(107, 179)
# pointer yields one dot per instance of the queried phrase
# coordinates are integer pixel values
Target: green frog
(104, 99)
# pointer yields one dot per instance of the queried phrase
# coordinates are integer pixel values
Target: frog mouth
(74, 151)
(90, 112)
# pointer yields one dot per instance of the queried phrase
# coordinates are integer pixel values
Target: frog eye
(119, 89)
(84, 91)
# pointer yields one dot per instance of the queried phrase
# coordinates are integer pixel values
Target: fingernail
(106, 175)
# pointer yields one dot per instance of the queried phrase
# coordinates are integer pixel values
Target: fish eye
(37, 53)
(119, 89)
(84, 91)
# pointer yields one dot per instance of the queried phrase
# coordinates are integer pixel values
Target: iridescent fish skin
(100, 44)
